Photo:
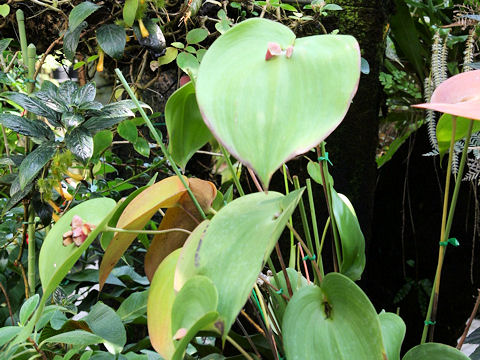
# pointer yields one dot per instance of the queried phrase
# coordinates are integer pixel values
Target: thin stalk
(23, 36)
(274, 271)
(226, 155)
(328, 198)
(31, 251)
(160, 143)
(291, 260)
(262, 306)
(324, 235)
(315, 226)
(239, 348)
(7, 149)
(306, 228)
(451, 214)
(150, 232)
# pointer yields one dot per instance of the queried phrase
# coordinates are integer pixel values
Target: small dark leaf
(80, 143)
(34, 162)
(91, 105)
(43, 209)
(80, 12)
(31, 104)
(17, 197)
(70, 40)
(112, 39)
(70, 120)
(116, 109)
(33, 128)
(128, 131)
(142, 147)
(97, 123)
(8, 179)
(4, 44)
(86, 94)
(13, 159)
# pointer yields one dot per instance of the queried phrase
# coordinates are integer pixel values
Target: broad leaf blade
(429, 351)
(267, 114)
(34, 162)
(336, 321)
(80, 143)
(32, 128)
(393, 332)
(444, 131)
(247, 229)
(31, 104)
(71, 39)
(112, 40)
(80, 12)
(129, 11)
(181, 216)
(187, 132)
(85, 94)
(137, 213)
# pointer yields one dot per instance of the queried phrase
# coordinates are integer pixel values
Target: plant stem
(291, 260)
(239, 348)
(150, 232)
(23, 36)
(31, 251)
(226, 155)
(160, 143)
(315, 226)
(7, 300)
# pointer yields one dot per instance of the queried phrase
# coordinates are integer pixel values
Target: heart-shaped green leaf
(274, 105)
(336, 321)
(232, 249)
(430, 351)
(186, 130)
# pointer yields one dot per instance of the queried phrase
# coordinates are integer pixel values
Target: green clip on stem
(310, 257)
(325, 158)
(428, 322)
(451, 241)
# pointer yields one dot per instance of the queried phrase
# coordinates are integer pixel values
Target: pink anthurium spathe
(458, 95)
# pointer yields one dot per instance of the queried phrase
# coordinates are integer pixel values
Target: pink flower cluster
(79, 232)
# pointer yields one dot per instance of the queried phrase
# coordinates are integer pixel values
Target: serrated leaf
(187, 132)
(196, 36)
(80, 143)
(85, 94)
(31, 104)
(34, 162)
(129, 11)
(112, 39)
(127, 130)
(142, 147)
(32, 128)
(80, 12)
(71, 39)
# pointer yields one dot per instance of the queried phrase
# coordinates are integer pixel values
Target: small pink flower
(273, 49)
(79, 232)
(458, 96)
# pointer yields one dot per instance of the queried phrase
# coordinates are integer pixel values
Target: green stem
(23, 36)
(291, 260)
(160, 143)
(315, 226)
(239, 348)
(31, 251)
(226, 155)
(150, 232)
(31, 53)
(324, 235)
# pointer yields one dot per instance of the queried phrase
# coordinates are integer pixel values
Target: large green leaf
(31, 104)
(104, 322)
(127, 130)
(28, 308)
(351, 236)
(186, 130)
(444, 131)
(112, 39)
(80, 143)
(133, 306)
(159, 307)
(336, 321)
(85, 94)
(393, 331)
(56, 260)
(232, 250)
(430, 351)
(266, 112)
(129, 11)
(34, 162)
(76, 337)
(7, 333)
(80, 13)
(33, 128)
(71, 39)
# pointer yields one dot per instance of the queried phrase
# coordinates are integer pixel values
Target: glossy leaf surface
(430, 351)
(336, 321)
(445, 128)
(393, 332)
(231, 250)
(186, 130)
(283, 106)
(35, 161)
